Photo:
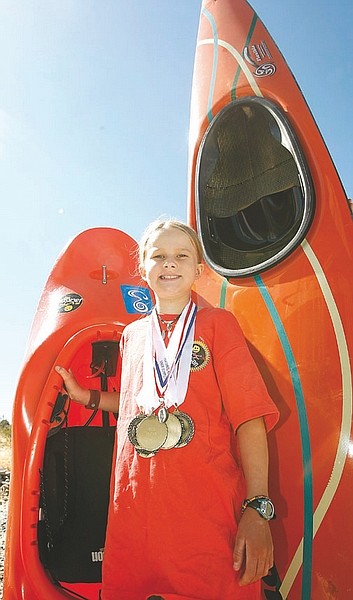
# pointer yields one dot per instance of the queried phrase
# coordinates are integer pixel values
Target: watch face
(267, 509)
(262, 505)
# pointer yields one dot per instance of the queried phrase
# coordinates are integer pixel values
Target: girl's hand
(75, 391)
(253, 550)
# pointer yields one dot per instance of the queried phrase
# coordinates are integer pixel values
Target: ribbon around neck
(166, 370)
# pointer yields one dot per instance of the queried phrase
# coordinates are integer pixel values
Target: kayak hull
(295, 309)
(92, 292)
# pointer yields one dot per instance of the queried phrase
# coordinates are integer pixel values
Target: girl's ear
(142, 271)
(199, 270)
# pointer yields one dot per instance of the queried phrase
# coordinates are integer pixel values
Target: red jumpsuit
(173, 518)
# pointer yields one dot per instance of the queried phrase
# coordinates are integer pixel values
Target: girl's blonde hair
(163, 225)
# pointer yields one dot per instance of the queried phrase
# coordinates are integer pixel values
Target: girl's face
(171, 267)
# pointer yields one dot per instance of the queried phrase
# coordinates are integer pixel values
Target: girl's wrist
(82, 397)
(94, 400)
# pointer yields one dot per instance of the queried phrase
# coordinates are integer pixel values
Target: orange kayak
(277, 234)
(62, 452)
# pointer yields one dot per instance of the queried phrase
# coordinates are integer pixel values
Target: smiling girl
(189, 513)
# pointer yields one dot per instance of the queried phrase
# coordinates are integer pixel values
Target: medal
(145, 453)
(175, 430)
(135, 441)
(150, 433)
(188, 428)
(131, 432)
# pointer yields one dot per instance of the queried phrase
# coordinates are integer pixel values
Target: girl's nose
(169, 262)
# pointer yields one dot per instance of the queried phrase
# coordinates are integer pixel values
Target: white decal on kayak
(265, 70)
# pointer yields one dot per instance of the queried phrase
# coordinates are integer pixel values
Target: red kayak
(277, 234)
(62, 452)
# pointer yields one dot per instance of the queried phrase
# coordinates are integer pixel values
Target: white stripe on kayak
(343, 442)
(240, 60)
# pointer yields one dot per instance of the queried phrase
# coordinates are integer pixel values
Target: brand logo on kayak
(137, 299)
(70, 302)
(97, 556)
(259, 57)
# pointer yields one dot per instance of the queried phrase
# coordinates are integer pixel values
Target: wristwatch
(262, 504)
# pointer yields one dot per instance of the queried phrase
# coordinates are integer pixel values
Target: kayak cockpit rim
(254, 194)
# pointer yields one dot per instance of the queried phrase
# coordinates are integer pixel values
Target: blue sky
(94, 113)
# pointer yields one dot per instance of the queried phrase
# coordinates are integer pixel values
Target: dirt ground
(5, 455)
(5, 465)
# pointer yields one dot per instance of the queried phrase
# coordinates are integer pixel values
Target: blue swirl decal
(136, 299)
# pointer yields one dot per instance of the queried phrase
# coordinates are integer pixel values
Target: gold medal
(150, 433)
(188, 428)
(175, 430)
(145, 453)
(132, 428)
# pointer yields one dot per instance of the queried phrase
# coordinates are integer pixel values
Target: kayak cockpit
(254, 195)
(75, 477)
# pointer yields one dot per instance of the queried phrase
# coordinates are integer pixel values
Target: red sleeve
(244, 393)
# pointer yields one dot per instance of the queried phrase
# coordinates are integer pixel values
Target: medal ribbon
(165, 356)
(166, 370)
